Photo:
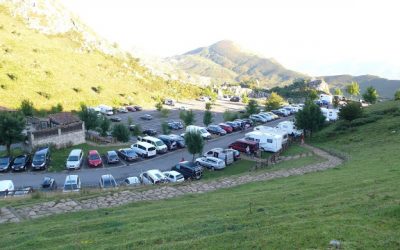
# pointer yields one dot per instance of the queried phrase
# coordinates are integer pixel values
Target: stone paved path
(9, 214)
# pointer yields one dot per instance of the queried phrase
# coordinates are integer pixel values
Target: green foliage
(121, 132)
(164, 112)
(313, 95)
(364, 120)
(252, 107)
(27, 108)
(351, 111)
(245, 99)
(159, 106)
(353, 89)
(338, 91)
(208, 106)
(89, 117)
(129, 121)
(137, 130)
(370, 95)
(194, 143)
(187, 116)
(11, 127)
(397, 95)
(310, 118)
(57, 109)
(165, 128)
(104, 125)
(230, 115)
(274, 101)
(207, 118)
(208, 91)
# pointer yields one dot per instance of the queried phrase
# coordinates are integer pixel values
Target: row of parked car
(39, 160)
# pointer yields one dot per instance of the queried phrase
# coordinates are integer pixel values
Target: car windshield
(94, 157)
(108, 182)
(73, 158)
(19, 160)
(3, 160)
(159, 143)
(38, 157)
(130, 152)
(70, 186)
(179, 176)
(203, 130)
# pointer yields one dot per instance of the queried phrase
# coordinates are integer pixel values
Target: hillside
(385, 87)
(356, 203)
(49, 57)
(225, 61)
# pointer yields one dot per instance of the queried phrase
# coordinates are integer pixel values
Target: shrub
(397, 95)
(27, 108)
(121, 132)
(165, 128)
(44, 94)
(12, 76)
(164, 112)
(230, 115)
(364, 120)
(351, 111)
(137, 130)
(77, 90)
(342, 125)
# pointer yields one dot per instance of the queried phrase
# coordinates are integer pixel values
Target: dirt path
(10, 214)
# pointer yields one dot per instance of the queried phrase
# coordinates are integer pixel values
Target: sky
(316, 37)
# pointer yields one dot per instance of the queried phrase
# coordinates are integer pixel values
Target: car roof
(172, 172)
(42, 151)
(93, 152)
(246, 141)
(144, 144)
(107, 176)
(75, 152)
(20, 156)
(131, 178)
(112, 152)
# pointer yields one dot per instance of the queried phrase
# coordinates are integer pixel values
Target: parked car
(215, 129)
(226, 127)
(41, 159)
(5, 163)
(180, 141)
(75, 159)
(153, 176)
(107, 181)
(203, 99)
(112, 157)
(210, 162)
(258, 118)
(248, 121)
(157, 143)
(146, 117)
(144, 149)
(174, 176)
(72, 184)
(236, 153)
(127, 154)
(234, 125)
(201, 130)
(278, 112)
(138, 108)
(150, 132)
(115, 119)
(49, 184)
(189, 170)
(227, 155)
(169, 102)
(131, 181)
(235, 99)
(130, 109)
(6, 188)
(122, 110)
(241, 145)
(20, 163)
(23, 191)
(267, 117)
(175, 125)
(94, 159)
(170, 143)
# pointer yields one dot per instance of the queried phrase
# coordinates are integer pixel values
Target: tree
(187, 116)
(208, 106)
(245, 98)
(310, 118)
(159, 105)
(353, 89)
(252, 107)
(313, 94)
(27, 108)
(11, 127)
(207, 118)
(397, 95)
(351, 111)
(137, 130)
(104, 125)
(165, 128)
(121, 132)
(56, 109)
(230, 115)
(338, 91)
(164, 112)
(194, 143)
(274, 101)
(370, 95)
(88, 116)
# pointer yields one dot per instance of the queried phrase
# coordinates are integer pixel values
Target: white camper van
(223, 154)
(106, 110)
(289, 127)
(272, 130)
(326, 98)
(268, 142)
(201, 130)
(330, 114)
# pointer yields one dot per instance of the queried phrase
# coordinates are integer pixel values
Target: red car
(241, 145)
(226, 127)
(94, 159)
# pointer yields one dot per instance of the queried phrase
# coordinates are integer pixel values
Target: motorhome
(273, 130)
(267, 141)
(324, 98)
(289, 127)
(201, 130)
(106, 110)
(330, 114)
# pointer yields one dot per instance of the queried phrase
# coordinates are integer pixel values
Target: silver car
(210, 162)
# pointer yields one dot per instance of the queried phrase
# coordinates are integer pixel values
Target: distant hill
(224, 61)
(48, 56)
(385, 87)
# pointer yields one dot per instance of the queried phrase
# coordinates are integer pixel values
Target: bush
(230, 115)
(27, 108)
(165, 128)
(137, 130)
(121, 132)
(342, 125)
(164, 112)
(351, 111)
(364, 120)
(397, 95)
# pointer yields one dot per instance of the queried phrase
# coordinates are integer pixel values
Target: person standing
(248, 150)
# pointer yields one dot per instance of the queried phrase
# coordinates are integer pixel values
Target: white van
(330, 114)
(144, 149)
(290, 128)
(201, 130)
(153, 176)
(6, 188)
(106, 110)
(157, 143)
(268, 142)
(226, 155)
(72, 184)
(272, 130)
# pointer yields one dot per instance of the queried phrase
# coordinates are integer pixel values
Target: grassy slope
(54, 65)
(357, 203)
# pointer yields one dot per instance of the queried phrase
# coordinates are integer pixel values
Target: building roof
(63, 118)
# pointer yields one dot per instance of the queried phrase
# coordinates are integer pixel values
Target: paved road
(90, 177)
